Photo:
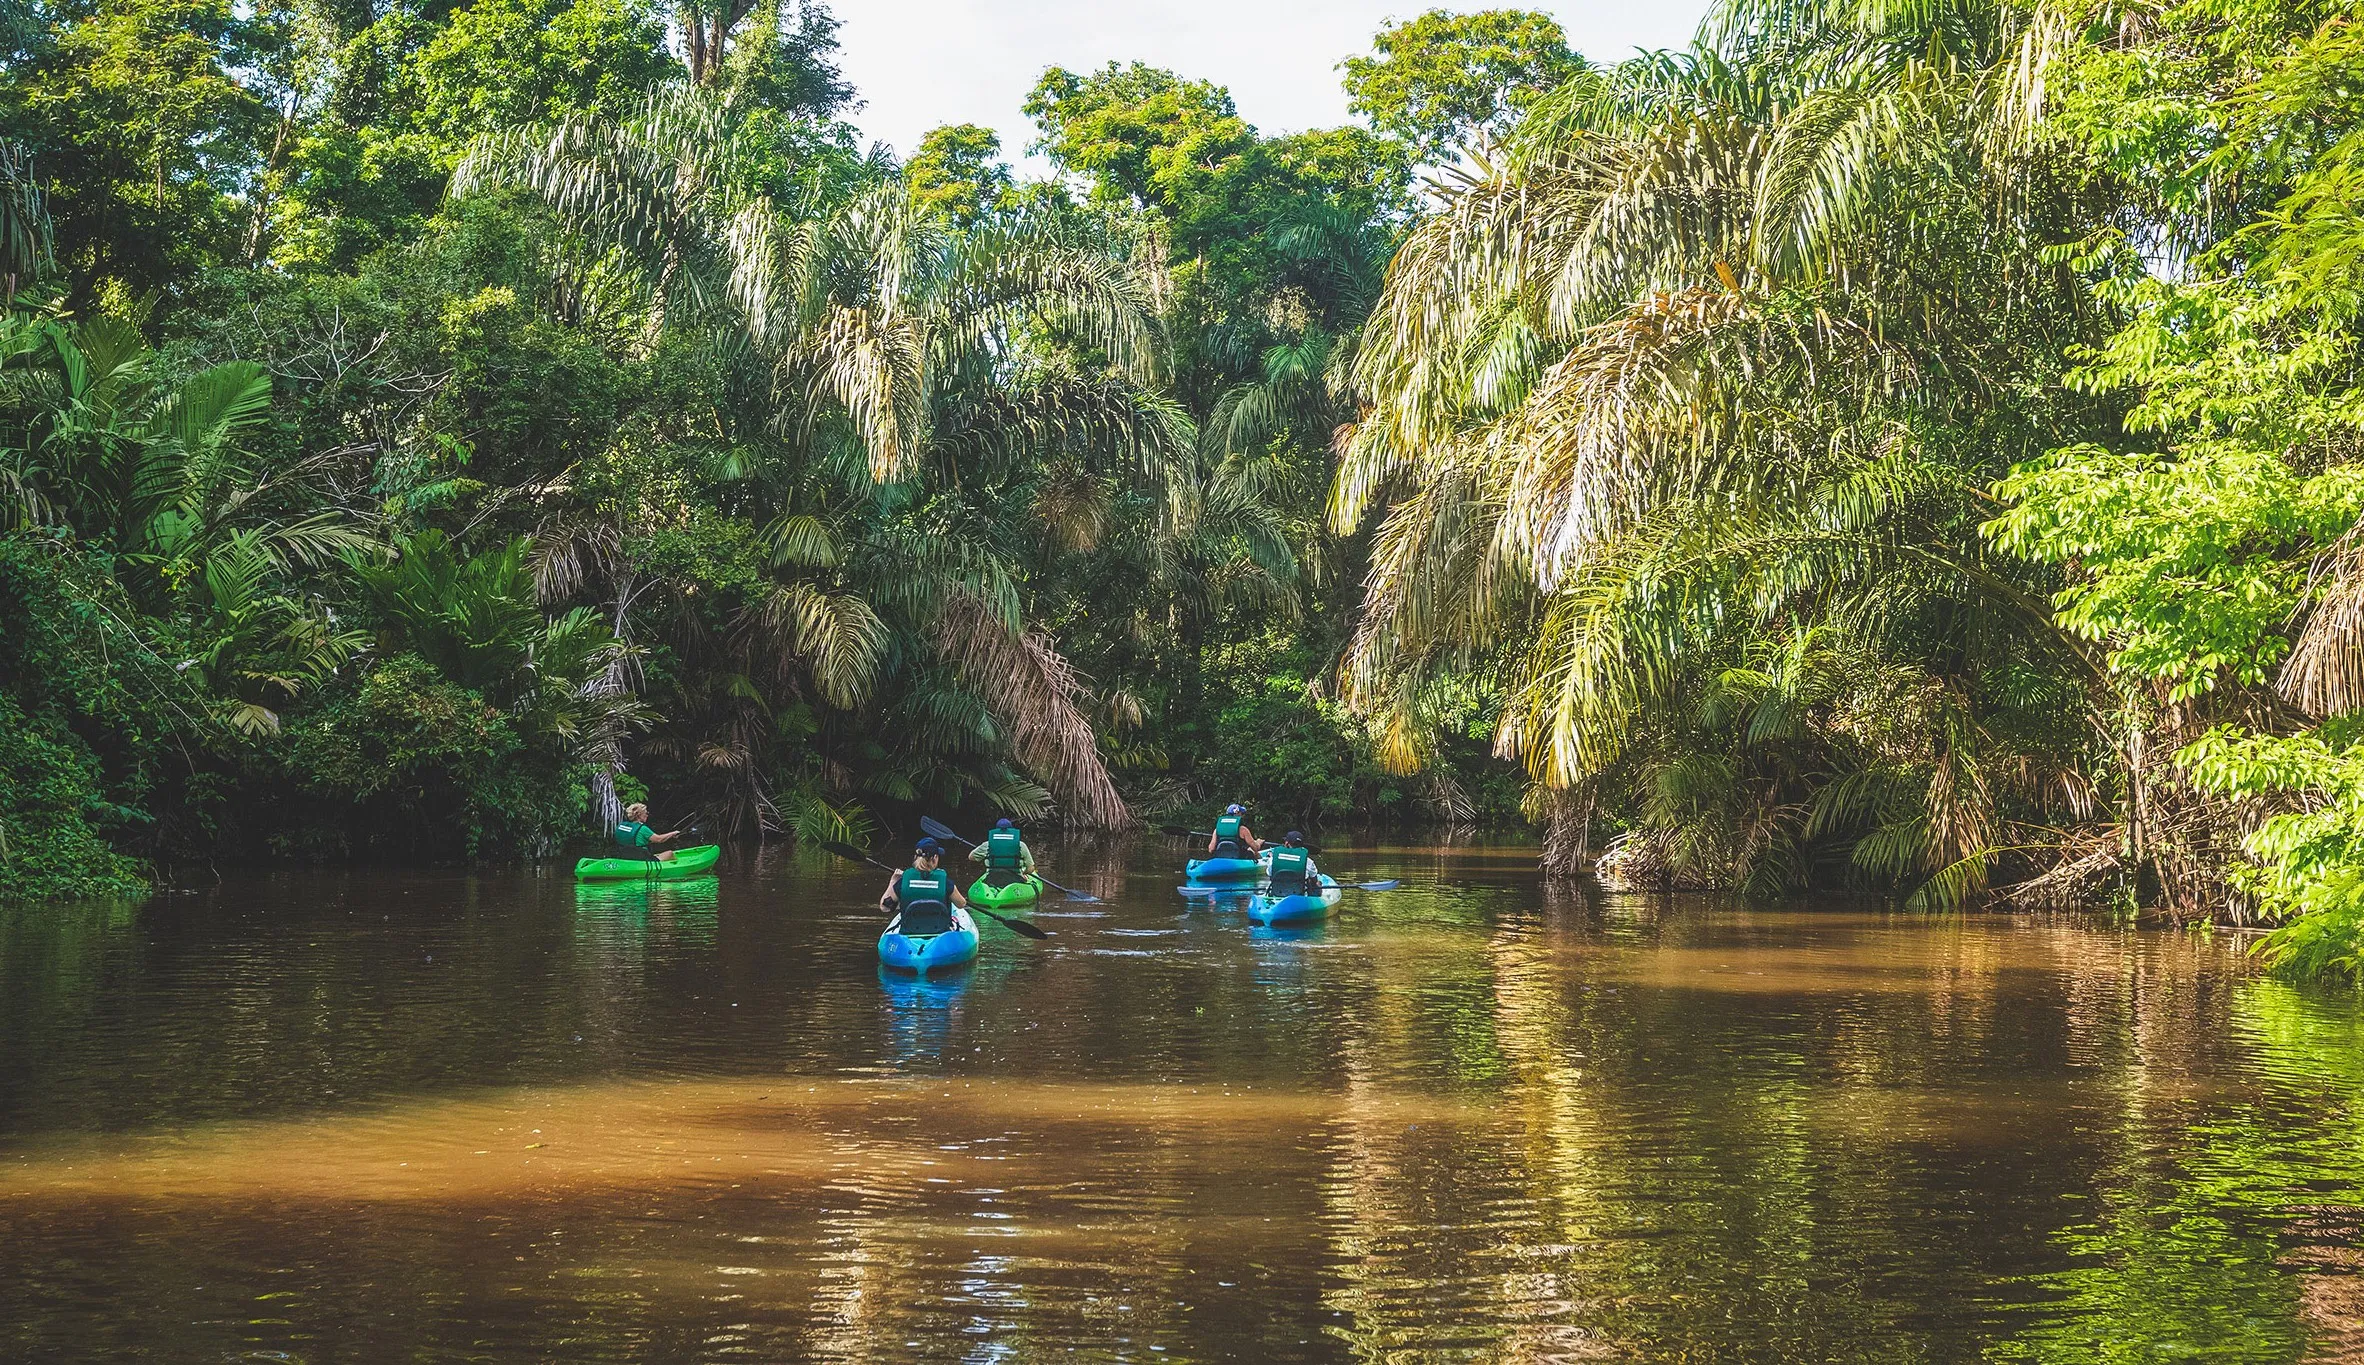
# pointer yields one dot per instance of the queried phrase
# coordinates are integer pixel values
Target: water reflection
(514, 1118)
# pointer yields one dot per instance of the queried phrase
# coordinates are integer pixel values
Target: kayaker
(634, 839)
(1232, 837)
(1293, 872)
(922, 887)
(1004, 851)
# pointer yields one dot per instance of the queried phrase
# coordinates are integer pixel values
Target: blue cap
(1235, 810)
(1003, 823)
(927, 845)
(1295, 837)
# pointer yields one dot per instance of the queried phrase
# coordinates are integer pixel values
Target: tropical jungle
(1892, 447)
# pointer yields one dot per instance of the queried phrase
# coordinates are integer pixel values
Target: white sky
(920, 63)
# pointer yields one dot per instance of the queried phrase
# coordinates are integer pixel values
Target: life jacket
(1004, 848)
(631, 834)
(1227, 841)
(1289, 872)
(924, 901)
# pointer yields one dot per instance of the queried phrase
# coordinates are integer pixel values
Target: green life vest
(1227, 840)
(913, 886)
(1288, 869)
(923, 902)
(630, 834)
(1005, 848)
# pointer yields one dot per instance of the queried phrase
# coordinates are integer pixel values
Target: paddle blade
(939, 829)
(1015, 926)
(1389, 885)
(1083, 898)
(847, 852)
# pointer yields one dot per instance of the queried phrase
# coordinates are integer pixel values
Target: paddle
(1016, 926)
(943, 831)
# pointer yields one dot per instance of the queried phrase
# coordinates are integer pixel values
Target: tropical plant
(1681, 373)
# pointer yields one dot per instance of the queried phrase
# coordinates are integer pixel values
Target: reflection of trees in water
(1099, 863)
(1870, 1167)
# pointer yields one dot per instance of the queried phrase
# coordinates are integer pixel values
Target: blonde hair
(637, 810)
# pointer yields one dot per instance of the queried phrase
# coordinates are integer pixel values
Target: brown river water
(431, 1116)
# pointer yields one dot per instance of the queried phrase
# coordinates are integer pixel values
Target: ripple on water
(1480, 1118)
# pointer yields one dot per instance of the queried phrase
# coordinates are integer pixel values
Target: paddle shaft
(943, 831)
(1016, 926)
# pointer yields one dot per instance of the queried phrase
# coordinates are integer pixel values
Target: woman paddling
(923, 893)
(1232, 838)
(1006, 857)
(635, 840)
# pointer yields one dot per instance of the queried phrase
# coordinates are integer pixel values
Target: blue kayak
(924, 953)
(1222, 869)
(1263, 909)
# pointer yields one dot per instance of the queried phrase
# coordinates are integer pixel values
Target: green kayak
(688, 863)
(1020, 892)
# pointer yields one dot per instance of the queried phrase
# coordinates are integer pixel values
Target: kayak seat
(924, 918)
(1001, 877)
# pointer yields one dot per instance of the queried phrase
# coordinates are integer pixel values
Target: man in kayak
(1004, 853)
(1293, 872)
(923, 893)
(1232, 837)
(635, 840)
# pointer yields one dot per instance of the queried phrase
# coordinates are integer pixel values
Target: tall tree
(1444, 81)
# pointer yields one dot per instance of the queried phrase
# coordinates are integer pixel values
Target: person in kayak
(1004, 853)
(1232, 837)
(923, 893)
(1293, 872)
(635, 840)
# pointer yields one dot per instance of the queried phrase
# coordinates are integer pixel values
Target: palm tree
(1688, 371)
(94, 436)
(951, 363)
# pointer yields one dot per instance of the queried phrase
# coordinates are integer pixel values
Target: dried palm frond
(1037, 696)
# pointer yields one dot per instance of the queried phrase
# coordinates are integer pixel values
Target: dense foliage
(1894, 447)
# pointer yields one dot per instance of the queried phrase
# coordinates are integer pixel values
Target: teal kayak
(1221, 869)
(923, 953)
(687, 863)
(1298, 909)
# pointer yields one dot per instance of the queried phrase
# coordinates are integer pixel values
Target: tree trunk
(1567, 832)
(603, 783)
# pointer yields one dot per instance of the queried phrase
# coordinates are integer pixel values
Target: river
(434, 1116)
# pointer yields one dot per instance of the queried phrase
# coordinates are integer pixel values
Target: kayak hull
(1263, 909)
(924, 953)
(1002, 897)
(1222, 869)
(690, 862)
